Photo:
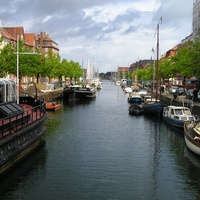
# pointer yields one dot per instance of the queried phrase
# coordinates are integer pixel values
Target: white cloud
(111, 32)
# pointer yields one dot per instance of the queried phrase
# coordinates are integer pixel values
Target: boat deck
(10, 125)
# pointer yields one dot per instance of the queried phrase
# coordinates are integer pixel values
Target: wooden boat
(85, 92)
(134, 97)
(192, 136)
(21, 125)
(53, 106)
(135, 109)
(177, 116)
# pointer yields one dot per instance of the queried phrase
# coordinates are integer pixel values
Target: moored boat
(85, 92)
(117, 83)
(153, 107)
(21, 125)
(53, 106)
(135, 109)
(177, 116)
(192, 136)
(134, 97)
(127, 89)
(68, 93)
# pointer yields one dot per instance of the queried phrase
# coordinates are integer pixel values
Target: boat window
(178, 112)
(191, 118)
(187, 112)
(1, 93)
(184, 118)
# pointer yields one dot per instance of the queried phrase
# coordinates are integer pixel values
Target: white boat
(134, 97)
(117, 83)
(192, 136)
(142, 92)
(127, 89)
(177, 115)
(149, 98)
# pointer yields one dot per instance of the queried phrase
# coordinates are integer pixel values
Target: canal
(96, 150)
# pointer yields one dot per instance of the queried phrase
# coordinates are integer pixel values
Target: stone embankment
(180, 101)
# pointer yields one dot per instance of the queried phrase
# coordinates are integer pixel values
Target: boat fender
(197, 138)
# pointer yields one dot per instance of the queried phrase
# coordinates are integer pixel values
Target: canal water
(96, 150)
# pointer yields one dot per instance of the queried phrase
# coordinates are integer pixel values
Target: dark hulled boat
(85, 92)
(153, 107)
(21, 125)
(135, 109)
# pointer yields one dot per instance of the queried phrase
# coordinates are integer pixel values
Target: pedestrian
(176, 93)
(195, 94)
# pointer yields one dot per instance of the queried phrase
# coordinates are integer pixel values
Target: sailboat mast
(157, 61)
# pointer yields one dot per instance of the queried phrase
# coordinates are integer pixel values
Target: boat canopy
(7, 90)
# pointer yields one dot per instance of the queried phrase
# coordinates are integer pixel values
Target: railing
(9, 125)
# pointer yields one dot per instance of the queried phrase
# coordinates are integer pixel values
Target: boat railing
(9, 125)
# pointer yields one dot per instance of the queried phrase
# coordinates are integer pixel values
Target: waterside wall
(180, 101)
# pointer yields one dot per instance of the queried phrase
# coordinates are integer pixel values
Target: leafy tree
(8, 61)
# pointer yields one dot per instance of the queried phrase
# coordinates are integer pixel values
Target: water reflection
(96, 150)
(26, 170)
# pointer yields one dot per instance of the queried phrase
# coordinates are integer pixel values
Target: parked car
(181, 90)
(189, 93)
(173, 89)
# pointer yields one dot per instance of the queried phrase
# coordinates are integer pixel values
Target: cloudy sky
(110, 33)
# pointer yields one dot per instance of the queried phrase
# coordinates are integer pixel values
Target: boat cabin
(179, 113)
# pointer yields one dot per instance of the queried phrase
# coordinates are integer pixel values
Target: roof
(121, 69)
(30, 39)
(5, 34)
(171, 53)
(15, 31)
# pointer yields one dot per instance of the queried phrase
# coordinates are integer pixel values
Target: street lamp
(32, 53)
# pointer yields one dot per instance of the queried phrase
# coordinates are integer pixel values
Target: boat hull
(174, 122)
(68, 93)
(134, 100)
(19, 139)
(50, 106)
(154, 108)
(192, 144)
(85, 93)
(135, 110)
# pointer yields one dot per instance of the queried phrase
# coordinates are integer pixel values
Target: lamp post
(32, 53)
(17, 69)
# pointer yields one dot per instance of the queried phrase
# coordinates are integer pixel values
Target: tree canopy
(186, 62)
(35, 64)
